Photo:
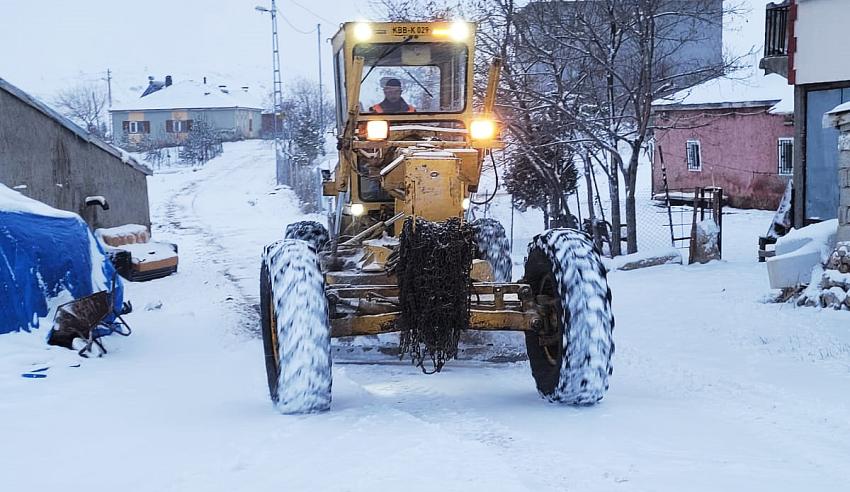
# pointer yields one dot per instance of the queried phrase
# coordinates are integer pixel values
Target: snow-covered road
(713, 389)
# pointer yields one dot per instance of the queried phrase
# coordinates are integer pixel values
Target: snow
(712, 388)
(12, 201)
(189, 94)
(149, 252)
(127, 233)
(841, 108)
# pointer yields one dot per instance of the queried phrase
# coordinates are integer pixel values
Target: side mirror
(97, 200)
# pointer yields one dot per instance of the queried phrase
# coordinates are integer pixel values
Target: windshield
(413, 77)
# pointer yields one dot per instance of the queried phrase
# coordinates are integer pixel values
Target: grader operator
(400, 255)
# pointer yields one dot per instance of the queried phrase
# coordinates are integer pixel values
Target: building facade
(743, 148)
(167, 116)
(47, 157)
(806, 42)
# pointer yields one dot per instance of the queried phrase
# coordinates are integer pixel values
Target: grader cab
(400, 256)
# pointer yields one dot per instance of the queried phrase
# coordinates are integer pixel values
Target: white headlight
(459, 30)
(362, 31)
(357, 209)
(465, 204)
(377, 130)
(482, 129)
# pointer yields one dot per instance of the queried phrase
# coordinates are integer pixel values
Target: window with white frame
(178, 126)
(785, 154)
(694, 155)
(134, 127)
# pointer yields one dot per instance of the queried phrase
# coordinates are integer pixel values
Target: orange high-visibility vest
(379, 109)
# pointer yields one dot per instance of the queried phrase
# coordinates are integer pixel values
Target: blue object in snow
(43, 252)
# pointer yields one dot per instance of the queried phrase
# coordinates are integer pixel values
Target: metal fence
(304, 179)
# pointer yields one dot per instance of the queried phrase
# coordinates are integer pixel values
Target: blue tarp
(42, 255)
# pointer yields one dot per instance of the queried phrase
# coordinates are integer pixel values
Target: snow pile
(830, 287)
(798, 252)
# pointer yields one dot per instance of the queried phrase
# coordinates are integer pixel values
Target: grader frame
(428, 172)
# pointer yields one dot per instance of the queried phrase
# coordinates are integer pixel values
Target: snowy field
(713, 388)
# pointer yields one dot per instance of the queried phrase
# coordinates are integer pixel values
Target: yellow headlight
(362, 31)
(357, 209)
(377, 130)
(482, 129)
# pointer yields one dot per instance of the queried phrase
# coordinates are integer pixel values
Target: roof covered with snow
(70, 125)
(743, 36)
(190, 94)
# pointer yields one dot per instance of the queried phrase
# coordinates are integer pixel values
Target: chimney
(167, 80)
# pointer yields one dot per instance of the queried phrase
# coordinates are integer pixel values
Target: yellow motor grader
(400, 255)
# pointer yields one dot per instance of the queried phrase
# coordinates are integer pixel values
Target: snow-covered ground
(713, 388)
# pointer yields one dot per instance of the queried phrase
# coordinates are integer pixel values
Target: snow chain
(433, 272)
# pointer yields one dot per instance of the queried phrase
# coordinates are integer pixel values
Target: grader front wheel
(295, 328)
(574, 366)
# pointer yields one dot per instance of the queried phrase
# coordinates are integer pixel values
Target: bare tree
(85, 104)
(580, 76)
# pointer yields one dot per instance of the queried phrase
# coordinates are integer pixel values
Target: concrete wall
(821, 32)
(60, 169)
(739, 153)
(236, 119)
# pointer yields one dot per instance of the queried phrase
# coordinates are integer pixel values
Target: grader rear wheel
(491, 244)
(295, 328)
(573, 368)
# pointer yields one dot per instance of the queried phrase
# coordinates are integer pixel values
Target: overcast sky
(48, 44)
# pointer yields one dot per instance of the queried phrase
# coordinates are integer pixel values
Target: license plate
(411, 30)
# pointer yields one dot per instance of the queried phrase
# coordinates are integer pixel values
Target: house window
(178, 126)
(250, 124)
(694, 156)
(137, 126)
(786, 156)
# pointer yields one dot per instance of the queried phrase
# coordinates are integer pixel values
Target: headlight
(377, 130)
(465, 204)
(482, 129)
(357, 209)
(459, 30)
(362, 31)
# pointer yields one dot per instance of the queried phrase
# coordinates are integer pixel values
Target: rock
(707, 248)
(644, 260)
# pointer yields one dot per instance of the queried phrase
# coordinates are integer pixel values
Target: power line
(314, 13)
(290, 24)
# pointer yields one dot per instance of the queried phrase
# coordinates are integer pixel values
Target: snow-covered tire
(308, 230)
(295, 327)
(492, 245)
(574, 370)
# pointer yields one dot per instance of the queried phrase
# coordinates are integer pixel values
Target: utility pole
(277, 95)
(321, 95)
(109, 85)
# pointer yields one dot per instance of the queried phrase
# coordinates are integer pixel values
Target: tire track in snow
(182, 220)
